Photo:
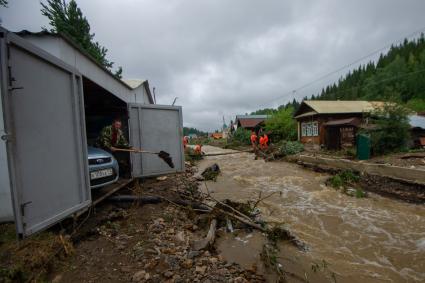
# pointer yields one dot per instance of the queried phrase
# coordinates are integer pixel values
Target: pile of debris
(152, 243)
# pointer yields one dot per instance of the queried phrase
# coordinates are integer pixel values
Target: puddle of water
(373, 239)
(242, 247)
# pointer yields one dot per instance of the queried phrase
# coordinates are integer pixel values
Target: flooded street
(373, 239)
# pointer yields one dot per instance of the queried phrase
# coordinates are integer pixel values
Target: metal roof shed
(131, 91)
(43, 132)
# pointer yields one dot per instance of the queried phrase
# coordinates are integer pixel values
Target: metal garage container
(45, 173)
(44, 133)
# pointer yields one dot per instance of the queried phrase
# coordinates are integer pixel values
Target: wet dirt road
(373, 239)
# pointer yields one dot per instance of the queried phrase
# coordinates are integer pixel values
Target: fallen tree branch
(222, 153)
(153, 199)
(243, 220)
(208, 195)
(261, 199)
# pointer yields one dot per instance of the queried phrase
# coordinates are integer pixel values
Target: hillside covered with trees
(398, 75)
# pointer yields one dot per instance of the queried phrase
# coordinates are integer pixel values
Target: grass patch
(360, 193)
(31, 258)
(347, 182)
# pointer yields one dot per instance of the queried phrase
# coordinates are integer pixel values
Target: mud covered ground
(149, 243)
(124, 242)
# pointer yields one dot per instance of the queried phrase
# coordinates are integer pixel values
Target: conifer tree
(67, 18)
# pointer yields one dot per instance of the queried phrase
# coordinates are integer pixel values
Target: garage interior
(101, 108)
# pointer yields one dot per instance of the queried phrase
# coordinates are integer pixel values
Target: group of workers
(259, 142)
(197, 149)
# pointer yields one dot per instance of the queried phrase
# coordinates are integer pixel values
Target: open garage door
(44, 121)
(155, 128)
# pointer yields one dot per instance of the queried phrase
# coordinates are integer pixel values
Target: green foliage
(392, 129)
(416, 104)
(349, 176)
(291, 147)
(68, 19)
(345, 181)
(265, 111)
(398, 75)
(401, 71)
(336, 181)
(360, 193)
(242, 136)
(118, 73)
(343, 178)
(282, 125)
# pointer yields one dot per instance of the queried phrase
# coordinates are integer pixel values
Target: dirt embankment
(413, 193)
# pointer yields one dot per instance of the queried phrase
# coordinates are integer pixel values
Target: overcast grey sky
(228, 57)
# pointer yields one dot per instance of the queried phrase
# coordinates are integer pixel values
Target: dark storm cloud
(232, 57)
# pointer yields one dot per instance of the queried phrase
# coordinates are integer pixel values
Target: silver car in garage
(103, 167)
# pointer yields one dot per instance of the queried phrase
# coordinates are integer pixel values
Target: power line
(346, 66)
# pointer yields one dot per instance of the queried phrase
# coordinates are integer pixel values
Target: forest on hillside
(398, 75)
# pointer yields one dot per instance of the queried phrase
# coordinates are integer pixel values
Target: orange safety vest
(261, 140)
(198, 149)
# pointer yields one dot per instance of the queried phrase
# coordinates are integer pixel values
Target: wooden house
(331, 124)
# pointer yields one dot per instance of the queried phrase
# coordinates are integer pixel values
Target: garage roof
(134, 83)
(128, 89)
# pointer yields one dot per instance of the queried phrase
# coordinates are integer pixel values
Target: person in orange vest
(265, 141)
(254, 140)
(261, 142)
(198, 149)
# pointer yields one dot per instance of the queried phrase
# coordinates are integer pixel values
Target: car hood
(94, 152)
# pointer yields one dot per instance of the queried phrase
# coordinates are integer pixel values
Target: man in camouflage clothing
(112, 137)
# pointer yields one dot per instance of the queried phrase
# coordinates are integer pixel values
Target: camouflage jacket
(105, 139)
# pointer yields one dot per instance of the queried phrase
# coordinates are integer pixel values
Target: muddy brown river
(373, 239)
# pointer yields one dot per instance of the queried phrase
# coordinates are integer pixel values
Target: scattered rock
(201, 269)
(168, 274)
(139, 276)
(57, 279)
(147, 276)
(180, 237)
(193, 254)
(240, 280)
(213, 260)
(188, 263)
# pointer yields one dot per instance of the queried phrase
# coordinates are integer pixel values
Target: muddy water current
(373, 239)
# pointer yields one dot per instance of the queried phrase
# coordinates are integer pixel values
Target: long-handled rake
(162, 154)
